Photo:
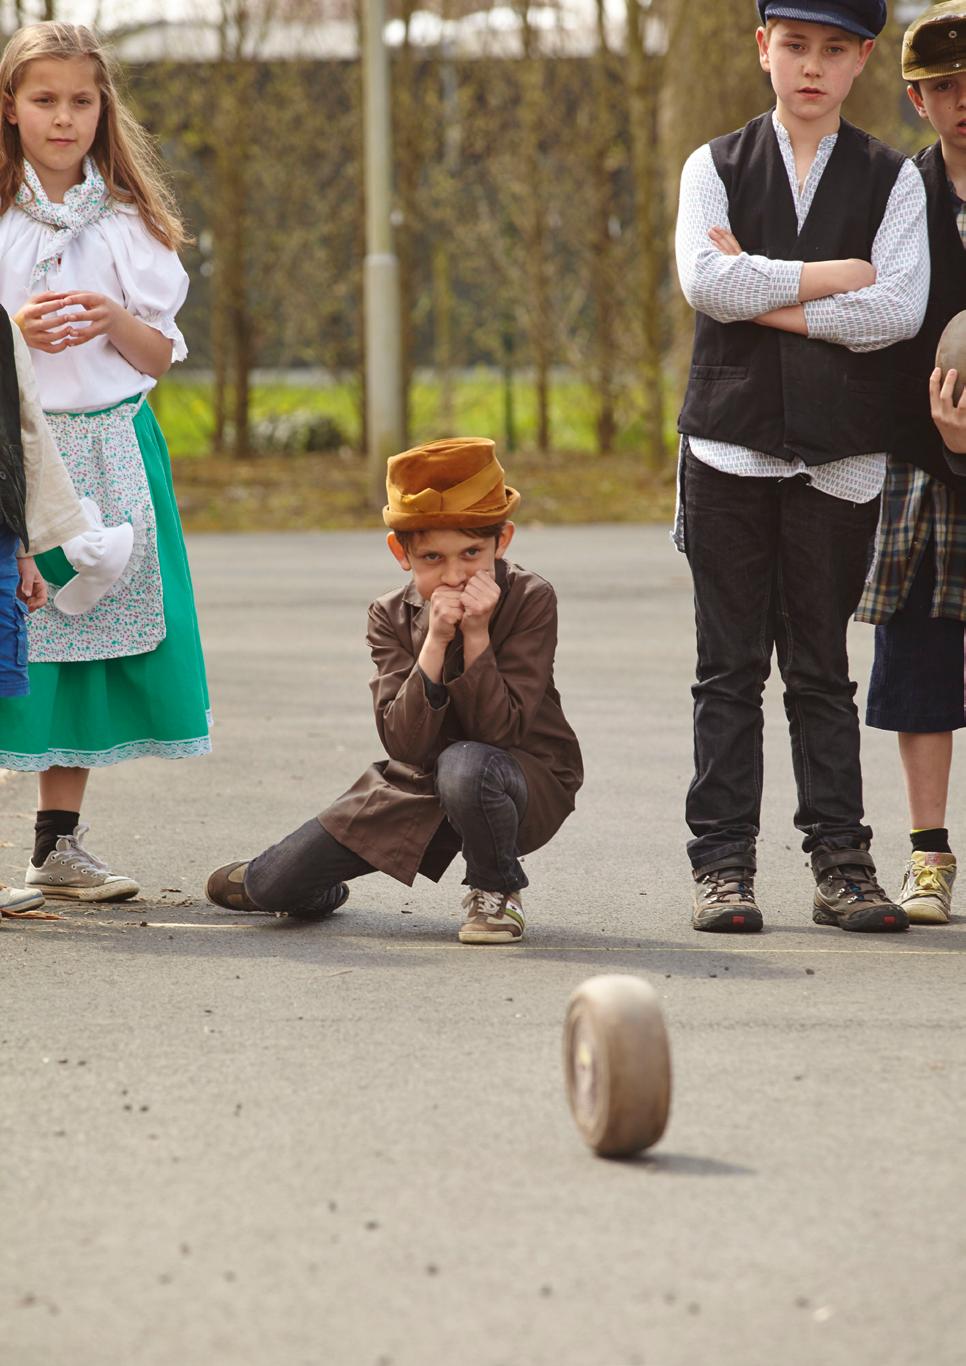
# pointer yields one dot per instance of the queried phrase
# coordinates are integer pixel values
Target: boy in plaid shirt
(917, 597)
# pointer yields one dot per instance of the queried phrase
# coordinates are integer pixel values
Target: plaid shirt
(914, 507)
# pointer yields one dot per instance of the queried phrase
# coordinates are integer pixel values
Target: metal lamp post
(384, 417)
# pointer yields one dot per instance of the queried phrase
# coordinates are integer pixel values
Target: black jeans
(776, 564)
(481, 789)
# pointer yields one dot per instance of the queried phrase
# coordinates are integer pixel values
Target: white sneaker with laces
(72, 872)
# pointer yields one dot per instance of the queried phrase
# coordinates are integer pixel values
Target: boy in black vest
(801, 245)
(917, 598)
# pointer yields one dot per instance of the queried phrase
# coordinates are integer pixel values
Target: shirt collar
(784, 136)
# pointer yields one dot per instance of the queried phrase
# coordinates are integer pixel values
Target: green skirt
(94, 712)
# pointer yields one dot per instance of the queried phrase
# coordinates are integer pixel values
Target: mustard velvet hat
(453, 483)
(935, 44)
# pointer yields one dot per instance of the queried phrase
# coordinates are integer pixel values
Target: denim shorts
(13, 621)
(917, 677)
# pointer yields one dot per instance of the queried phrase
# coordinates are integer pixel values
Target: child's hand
(40, 322)
(949, 418)
(725, 241)
(32, 589)
(479, 598)
(92, 315)
(445, 614)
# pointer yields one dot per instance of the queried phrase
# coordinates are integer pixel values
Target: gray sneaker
(18, 900)
(724, 901)
(71, 872)
(848, 895)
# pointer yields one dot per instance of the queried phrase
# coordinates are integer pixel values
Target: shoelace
(930, 879)
(478, 902)
(860, 884)
(727, 889)
(76, 856)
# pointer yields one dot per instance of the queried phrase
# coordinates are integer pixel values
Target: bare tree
(644, 78)
(535, 229)
(601, 142)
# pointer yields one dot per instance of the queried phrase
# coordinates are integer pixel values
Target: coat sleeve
(409, 725)
(497, 697)
(54, 513)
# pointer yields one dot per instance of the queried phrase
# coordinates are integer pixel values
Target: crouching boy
(481, 758)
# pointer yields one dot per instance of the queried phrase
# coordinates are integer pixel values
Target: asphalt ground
(249, 1142)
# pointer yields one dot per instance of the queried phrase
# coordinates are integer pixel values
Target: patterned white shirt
(736, 288)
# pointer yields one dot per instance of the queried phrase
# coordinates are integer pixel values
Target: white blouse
(117, 257)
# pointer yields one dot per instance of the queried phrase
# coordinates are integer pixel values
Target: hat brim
(929, 71)
(451, 521)
(826, 15)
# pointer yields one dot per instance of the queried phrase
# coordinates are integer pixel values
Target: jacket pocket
(719, 374)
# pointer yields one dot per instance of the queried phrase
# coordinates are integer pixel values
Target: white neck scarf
(83, 204)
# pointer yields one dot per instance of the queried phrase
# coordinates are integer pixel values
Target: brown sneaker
(226, 887)
(926, 894)
(847, 894)
(492, 918)
(724, 901)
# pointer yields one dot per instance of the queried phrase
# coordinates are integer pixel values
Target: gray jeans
(483, 793)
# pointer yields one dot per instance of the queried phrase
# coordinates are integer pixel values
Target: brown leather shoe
(848, 895)
(226, 887)
(724, 901)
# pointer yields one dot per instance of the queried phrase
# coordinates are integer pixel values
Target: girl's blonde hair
(124, 152)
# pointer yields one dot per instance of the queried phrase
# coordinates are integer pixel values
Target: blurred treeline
(535, 196)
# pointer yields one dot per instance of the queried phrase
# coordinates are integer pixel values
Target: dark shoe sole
(730, 921)
(876, 920)
(330, 910)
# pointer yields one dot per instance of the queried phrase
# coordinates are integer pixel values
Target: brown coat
(391, 817)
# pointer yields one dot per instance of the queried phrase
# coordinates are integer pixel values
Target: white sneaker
(72, 872)
(18, 900)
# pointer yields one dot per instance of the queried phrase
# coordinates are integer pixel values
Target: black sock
(50, 825)
(931, 841)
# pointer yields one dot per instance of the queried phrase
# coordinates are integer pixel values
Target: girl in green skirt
(89, 271)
